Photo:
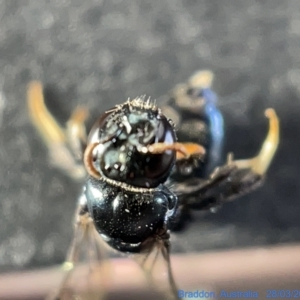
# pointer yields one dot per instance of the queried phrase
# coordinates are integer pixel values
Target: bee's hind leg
(63, 144)
(260, 163)
(235, 178)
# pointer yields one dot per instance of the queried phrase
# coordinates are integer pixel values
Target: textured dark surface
(100, 53)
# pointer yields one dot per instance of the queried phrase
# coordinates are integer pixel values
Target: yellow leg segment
(260, 163)
(49, 129)
(201, 79)
(54, 136)
(76, 131)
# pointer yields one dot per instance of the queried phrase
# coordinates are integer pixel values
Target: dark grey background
(99, 53)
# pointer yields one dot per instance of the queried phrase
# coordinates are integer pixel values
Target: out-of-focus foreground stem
(257, 269)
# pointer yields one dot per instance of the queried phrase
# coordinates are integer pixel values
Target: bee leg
(81, 231)
(86, 247)
(76, 131)
(201, 79)
(155, 262)
(260, 163)
(185, 95)
(52, 133)
(236, 177)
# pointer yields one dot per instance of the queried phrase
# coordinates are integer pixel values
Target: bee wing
(86, 269)
(155, 262)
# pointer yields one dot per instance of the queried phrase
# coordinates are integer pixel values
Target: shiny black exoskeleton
(130, 203)
(127, 219)
(124, 133)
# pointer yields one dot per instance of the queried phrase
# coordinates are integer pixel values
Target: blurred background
(99, 53)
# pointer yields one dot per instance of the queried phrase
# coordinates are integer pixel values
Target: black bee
(141, 174)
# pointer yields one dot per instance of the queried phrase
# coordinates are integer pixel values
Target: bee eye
(94, 135)
(165, 132)
(157, 167)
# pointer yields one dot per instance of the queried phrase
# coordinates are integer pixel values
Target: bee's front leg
(64, 145)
